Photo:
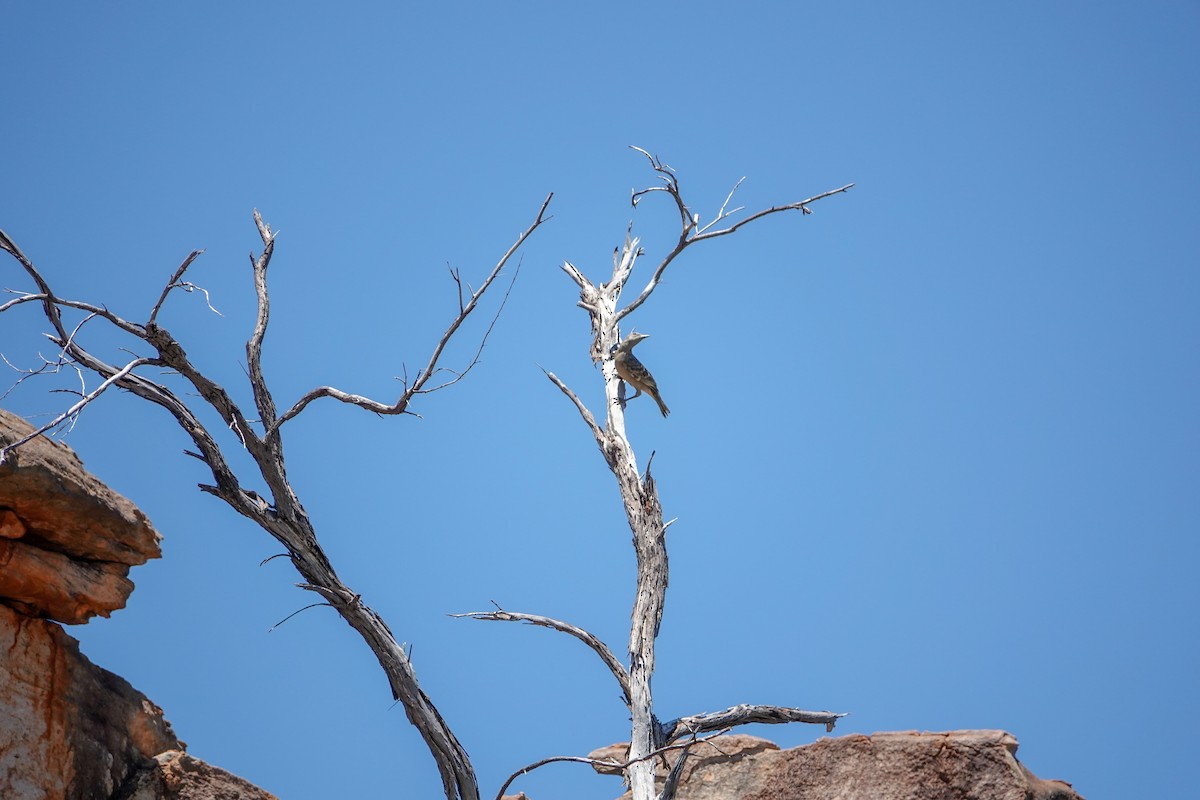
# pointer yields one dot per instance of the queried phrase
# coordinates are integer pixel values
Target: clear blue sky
(933, 450)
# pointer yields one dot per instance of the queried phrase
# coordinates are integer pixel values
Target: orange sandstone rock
(70, 730)
(963, 765)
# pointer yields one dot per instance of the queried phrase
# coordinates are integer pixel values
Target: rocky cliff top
(67, 541)
(951, 765)
(69, 729)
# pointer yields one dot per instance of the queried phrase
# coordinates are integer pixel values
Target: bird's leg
(620, 398)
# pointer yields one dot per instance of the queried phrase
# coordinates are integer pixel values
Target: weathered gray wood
(283, 516)
(639, 494)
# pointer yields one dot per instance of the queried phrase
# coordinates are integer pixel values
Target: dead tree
(260, 433)
(649, 736)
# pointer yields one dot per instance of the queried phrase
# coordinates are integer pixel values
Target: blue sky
(932, 450)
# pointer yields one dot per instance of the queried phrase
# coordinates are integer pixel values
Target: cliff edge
(70, 730)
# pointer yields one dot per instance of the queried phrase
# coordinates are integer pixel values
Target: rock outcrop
(178, 776)
(957, 765)
(67, 541)
(70, 730)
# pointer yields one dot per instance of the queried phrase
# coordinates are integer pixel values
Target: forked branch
(423, 377)
(176, 282)
(116, 377)
(690, 230)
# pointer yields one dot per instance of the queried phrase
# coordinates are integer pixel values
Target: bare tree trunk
(639, 495)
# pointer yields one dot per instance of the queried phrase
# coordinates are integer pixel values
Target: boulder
(954, 765)
(67, 541)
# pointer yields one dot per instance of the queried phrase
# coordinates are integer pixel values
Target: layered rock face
(958, 765)
(70, 730)
(67, 541)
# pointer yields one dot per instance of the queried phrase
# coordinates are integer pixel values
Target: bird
(634, 372)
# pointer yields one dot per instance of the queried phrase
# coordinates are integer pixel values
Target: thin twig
(799, 206)
(401, 405)
(173, 283)
(79, 406)
(483, 340)
(721, 213)
(297, 611)
(690, 232)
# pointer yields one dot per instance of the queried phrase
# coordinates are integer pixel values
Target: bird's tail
(661, 405)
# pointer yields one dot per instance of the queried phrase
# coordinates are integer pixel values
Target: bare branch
(297, 611)
(9, 246)
(171, 355)
(745, 715)
(671, 187)
(575, 274)
(671, 784)
(47, 366)
(52, 367)
(689, 232)
(116, 377)
(597, 646)
(615, 766)
(24, 298)
(552, 760)
(417, 386)
(189, 287)
(800, 206)
(721, 213)
(51, 303)
(174, 283)
(458, 376)
(583, 410)
(99, 311)
(431, 367)
(262, 395)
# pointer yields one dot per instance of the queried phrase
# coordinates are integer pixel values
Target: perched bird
(634, 372)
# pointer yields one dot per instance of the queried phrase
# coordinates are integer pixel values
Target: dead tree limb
(603, 765)
(597, 646)
(419, 383)
(745, 715)
(638, 493)
(282, 516)
(690, 229)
